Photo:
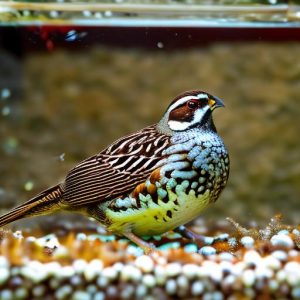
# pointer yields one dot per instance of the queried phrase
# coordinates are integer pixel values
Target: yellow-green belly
(157, 218)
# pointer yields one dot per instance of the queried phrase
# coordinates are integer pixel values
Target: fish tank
(76, 76)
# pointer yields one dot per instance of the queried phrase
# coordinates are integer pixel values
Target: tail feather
(43, 203)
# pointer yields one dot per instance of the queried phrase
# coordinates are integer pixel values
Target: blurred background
(68, 92)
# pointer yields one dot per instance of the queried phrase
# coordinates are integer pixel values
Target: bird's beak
(215, 102)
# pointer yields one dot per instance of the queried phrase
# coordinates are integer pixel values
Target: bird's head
(189, 110)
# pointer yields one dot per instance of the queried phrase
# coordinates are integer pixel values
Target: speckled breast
(192, 175)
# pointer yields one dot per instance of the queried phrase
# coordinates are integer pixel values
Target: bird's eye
(192, 104)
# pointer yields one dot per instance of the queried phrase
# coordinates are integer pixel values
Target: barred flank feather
(44, 203)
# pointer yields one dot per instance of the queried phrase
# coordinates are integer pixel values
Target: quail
(149, 182)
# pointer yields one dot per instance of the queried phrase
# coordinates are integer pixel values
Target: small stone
(110, 273)
(63, 292)
(79, 265)
(6, 295)
(4, 275)
(296, 293)
(271, 262)
(149, 281)
(145, 263)
(173, 269)
(4, 262)
(226, 256)
(160, 274)
(171, 287)
(22, 293)
(283, 232)
(182, 282)
(81, 295)
(279, 254)
(197, 288)
(131, 273)
(99, 296)
(207, 251)
(252, 257)
(81, 236)
(247, 241)
(281, 240)
(190, 270)
(39, 290)
(93, 269)
(190, 248)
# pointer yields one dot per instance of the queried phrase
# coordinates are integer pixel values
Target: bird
(149, 182)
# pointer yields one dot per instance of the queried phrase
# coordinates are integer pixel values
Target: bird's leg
(147, 247)
(189, 234)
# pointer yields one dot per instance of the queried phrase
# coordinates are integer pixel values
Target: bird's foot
(200, 239)
(148, 248)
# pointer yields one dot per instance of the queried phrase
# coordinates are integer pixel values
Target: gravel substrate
(247, 264)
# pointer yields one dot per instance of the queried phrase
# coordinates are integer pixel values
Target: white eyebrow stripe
(186, 98)
(181, 101)
(202, 96)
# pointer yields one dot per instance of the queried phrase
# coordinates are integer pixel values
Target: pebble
(279, 254)
(93, 269)
(6, 295)
(226, 256)
(182, 282)
(4, 262)
(296, 293)
(22, 293)
(4, 275)
(281, 240)
(190, 270)
(272, 262)
(131, 273)
(190, 248)
(247, 241)
(149, 280)
(63, 292)
(79, 265)
(145, 263)
(141, 291)
(171, 245)
(173, 269)
(171, 287)
(197, 288)
(110, 273)
(99, 296)
(81, 295)
(252, 257)
(207, 251)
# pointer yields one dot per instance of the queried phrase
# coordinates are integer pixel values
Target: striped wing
(117, 170)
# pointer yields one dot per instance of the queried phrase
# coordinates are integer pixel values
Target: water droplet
(71, 36)
(10, 145)
(160, 45)
(62, 157)
(6, 111)
(5, 93)
(28, 186)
